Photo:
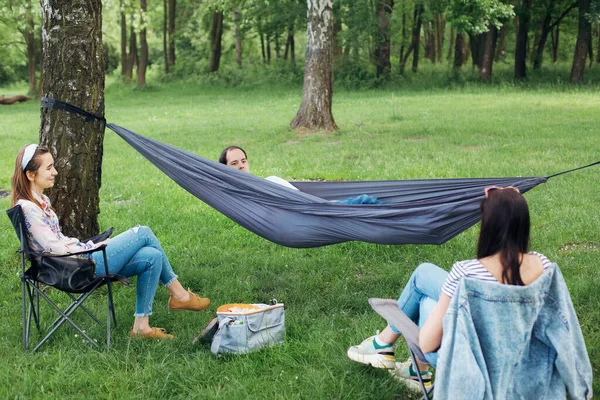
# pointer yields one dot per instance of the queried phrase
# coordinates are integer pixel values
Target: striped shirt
(474, 269)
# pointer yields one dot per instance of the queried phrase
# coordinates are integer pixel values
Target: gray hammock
(428, 211)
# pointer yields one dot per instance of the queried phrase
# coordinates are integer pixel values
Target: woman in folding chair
(135, 252)
(502, 256)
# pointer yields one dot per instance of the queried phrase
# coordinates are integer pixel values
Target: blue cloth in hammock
(362, 199)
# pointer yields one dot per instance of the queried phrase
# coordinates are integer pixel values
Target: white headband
(28, 155)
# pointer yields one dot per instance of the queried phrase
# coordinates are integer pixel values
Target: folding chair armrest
(75, 253)
(100, 237)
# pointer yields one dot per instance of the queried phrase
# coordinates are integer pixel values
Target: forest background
(376, 43)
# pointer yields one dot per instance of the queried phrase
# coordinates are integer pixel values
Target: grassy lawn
(385, 134)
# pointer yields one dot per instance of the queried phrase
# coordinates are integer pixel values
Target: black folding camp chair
(33, 288)
(389, 310)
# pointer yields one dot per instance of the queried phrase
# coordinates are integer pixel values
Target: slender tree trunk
(417, 36)
(172, 20)
(216, 33)
(124, 58)
(590, 47)
(555, 42)
(501, 42)
(268, 49)
(238, 37)
(521, 45)
(598, 49)
(132, 57)
(315, 110)
(74, 73)
(460, 51)
(165, 34)
(403, 44)
(545, 31)
(289, 46)
(429, 38)
(582, 44)
(262, 46)
(29, 35)
(382, 39)
(451, 44)
(487, 59)
(477, 44)
(143, 59)
(441, 30)
(337, 28)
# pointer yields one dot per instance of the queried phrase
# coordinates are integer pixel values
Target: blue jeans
(420, 295)
(137, 252)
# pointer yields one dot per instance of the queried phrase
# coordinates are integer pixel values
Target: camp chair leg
(64, 317)
(26, 314)
(413, 359)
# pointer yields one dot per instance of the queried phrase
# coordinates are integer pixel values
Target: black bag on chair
(72, 274)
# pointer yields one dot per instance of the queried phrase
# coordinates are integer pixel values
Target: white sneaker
(367, 353)
(404, 372)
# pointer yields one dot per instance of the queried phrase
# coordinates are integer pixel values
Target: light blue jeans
(420, 295)
(137, 252)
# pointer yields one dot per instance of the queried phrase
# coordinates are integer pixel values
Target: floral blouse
(43, 229)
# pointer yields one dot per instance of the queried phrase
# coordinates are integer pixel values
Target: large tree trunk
(382, 38)
(143, 59)
(315, 110)
(521, 45)
(216, 33)
(238, 37)
(477, 44)
(74, 73)
(487, 58)
(172, 16)
(165, 35)
(582, 44)
(124, 59)
(460, 51)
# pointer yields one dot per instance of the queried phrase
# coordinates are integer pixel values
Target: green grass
(438, 133)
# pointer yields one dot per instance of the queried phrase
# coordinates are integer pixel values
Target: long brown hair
(505, 229)
(21, 187)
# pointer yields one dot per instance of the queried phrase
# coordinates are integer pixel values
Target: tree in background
(22, 16)
(481, 20)
(74, 74)
(315, 109)
(584, 42)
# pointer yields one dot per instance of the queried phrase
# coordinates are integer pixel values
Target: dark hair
(21, 187)
(223, 156)
(505, 229)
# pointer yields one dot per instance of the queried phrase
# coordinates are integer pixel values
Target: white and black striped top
(474, 269)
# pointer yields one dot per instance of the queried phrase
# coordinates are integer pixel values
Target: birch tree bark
(315, 109)
(73, 64)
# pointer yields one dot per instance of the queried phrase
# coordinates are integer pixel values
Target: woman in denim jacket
(502, 256)
(135, 252)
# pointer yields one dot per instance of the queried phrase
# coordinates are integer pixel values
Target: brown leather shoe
(155, 333)
(194, 303)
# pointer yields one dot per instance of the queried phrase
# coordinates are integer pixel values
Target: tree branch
(564, 14)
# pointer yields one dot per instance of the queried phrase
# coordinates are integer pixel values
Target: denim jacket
(513, 342)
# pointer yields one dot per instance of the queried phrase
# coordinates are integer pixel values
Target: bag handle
(216, 342)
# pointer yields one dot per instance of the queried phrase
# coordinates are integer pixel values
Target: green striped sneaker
(368, 352)
(404, 372)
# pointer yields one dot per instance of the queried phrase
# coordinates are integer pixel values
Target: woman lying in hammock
(235, 157)
(135, 252)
